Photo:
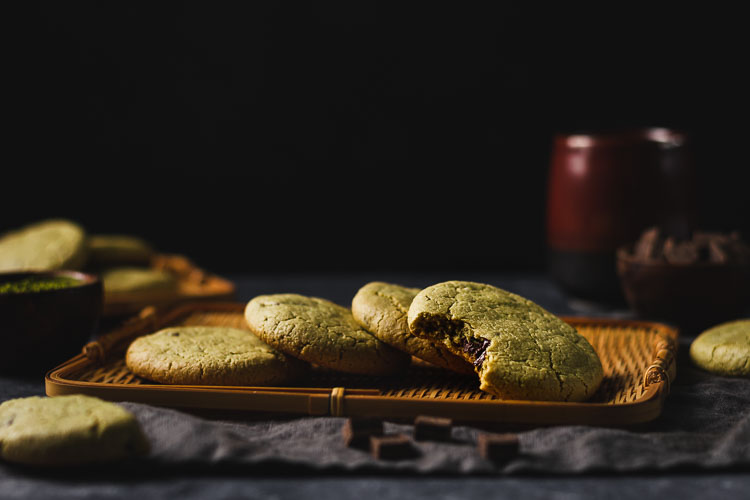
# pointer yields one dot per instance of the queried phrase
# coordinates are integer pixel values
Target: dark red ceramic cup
(604, 190)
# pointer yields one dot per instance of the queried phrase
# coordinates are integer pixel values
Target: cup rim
(663, 136)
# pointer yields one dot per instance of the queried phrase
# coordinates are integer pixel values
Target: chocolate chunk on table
(392, 447)
(498, 447)
(357, 431)
(432, 428)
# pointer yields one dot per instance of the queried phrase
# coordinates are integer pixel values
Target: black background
(357, 135)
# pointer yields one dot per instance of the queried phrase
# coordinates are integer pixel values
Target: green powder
(37, 284)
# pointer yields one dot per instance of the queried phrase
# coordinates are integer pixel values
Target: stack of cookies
(122, 261)
(517, 349)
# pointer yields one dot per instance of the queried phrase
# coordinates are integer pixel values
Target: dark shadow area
(146, 470)
(258, 136)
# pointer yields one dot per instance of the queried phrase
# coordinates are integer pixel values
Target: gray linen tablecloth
(705, 425)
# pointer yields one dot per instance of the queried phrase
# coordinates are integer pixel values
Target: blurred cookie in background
(45, 246)
(136, 279)
(119, 249)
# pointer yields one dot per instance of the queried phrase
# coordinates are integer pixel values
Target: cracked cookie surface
(382, 308)
(519, 350)
(208, 355)
(321, 332)
(724, 349)
(67, 430)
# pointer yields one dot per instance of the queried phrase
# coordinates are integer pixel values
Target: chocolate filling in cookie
(476, 347)
(461, 341)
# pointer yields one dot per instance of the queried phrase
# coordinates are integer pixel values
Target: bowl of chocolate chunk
(45, 317)
(691, 282)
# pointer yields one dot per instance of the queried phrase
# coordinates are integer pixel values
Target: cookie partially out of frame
(210, 355)
(724, 349)
(67, 430)
(44, 246)
(381, 308)
(321, 332)
(519, 350)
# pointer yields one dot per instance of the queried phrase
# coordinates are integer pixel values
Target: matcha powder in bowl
(34, 284)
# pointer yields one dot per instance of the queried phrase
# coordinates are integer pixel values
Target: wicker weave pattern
(626, 353)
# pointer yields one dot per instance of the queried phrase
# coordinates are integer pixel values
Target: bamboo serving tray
(193, 284)
(638, 360)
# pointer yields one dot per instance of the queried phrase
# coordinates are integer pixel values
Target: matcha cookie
(519, 350)
(724, 349)
(322, 333)
(135, 279)
(118, 249)
(44, 246)
(67, 430)
(381, 309)
(207, 355)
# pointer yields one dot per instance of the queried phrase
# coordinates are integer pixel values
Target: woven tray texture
(625, 352)
(637, 357)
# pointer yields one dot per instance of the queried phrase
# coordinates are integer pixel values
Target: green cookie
(322, 333)
(67, 430)
(207, 355)
(724, 349)
(44, 246)
(519, 350)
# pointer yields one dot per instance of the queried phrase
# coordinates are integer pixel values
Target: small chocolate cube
(357, 431)
(432, 428)
(498, 447)
(392, 447)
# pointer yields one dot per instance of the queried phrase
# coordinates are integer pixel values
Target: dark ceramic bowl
(603, 190)
(41, 329)
(690, 296)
